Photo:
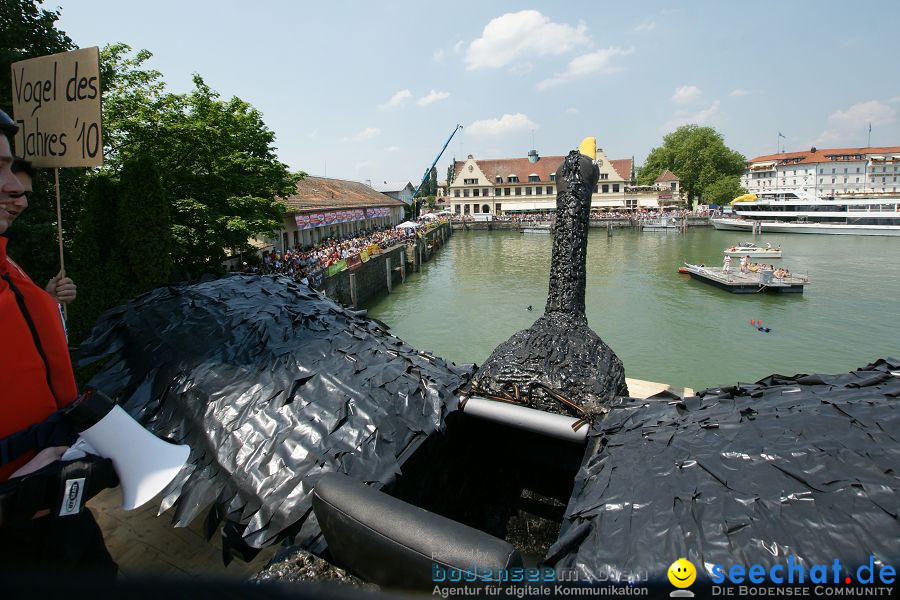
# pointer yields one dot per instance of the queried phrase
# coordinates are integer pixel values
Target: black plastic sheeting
(271, 384)
(807, 465)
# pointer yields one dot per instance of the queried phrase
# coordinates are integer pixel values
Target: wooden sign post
(56, 103)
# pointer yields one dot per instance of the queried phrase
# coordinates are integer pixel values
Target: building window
(484, 192)
(604, 175)
(528, 191)
(476, 192)
(466, 209)
(513, 179)
(832, 180)
(857, 179)
(456, 206)
(550, 190)
(506, 191)
(597, 189)
(498, 179)
(832, 171)
(485, 208)
(533, 178)
(605, 188)
(465, 193)
(456, 193)
(470, 181)
(552, 176)
(518, 191)
(615, 187)
(497, 208)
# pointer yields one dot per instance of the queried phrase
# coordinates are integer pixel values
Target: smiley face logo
(682, 573)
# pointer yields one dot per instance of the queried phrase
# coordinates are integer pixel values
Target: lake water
(664, 327)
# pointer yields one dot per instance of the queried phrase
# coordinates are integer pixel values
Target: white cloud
(391, 149)
(458, 47)
(366, 134)
(895, 99)
(599, 61)
(312, 134)
(851, 126)
(739, 92)
(521, 69)
(432, 97)
(522, 35)
(505, 124)
(397, 100)
(686, 94)
(438, 55)
(863, 113)
(572, 110)
(701, 117)
(646, 27)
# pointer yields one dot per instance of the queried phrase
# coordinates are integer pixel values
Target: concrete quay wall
(384, 271)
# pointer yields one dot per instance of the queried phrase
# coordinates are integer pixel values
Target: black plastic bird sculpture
(559, 364)
(271, 384)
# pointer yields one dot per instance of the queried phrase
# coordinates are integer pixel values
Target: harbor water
(475, 293)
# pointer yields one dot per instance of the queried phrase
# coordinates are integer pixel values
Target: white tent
(430, 216)
(408, 225)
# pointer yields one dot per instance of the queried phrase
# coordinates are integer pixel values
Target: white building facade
(512, 185)
(825, 173)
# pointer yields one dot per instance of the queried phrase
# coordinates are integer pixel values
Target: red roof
(622, 167)
(824, 154)
(666, 175)
(522, 168)
(318, 193)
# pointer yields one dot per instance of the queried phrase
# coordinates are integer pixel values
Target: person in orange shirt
(37, 382)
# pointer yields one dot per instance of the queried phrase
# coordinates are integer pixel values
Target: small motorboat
(753, 251)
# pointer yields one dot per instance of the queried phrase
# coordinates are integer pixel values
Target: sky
(372, 90)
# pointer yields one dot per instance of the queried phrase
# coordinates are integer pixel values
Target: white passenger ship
(846, 216)
(847, 191)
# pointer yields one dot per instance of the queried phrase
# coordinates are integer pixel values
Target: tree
(723, 190)
(697, 155)
(28, 31)
(216, 159)
(432, 183)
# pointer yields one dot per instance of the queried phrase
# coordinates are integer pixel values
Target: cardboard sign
(56, 103)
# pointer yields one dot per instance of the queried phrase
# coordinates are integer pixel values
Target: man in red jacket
(36, 381)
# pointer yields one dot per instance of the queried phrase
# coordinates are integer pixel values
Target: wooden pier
(747, 283)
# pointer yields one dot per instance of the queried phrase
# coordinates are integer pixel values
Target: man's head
(12, 192)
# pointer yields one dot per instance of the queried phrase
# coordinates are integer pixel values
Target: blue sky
(371, 90)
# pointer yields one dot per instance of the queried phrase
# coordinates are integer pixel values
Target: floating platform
(746, 283)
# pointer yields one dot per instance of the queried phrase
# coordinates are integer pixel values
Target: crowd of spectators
(310, 263)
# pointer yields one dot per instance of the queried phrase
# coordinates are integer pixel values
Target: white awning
(766, 166)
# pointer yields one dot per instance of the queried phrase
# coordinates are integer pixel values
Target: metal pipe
(529, 419)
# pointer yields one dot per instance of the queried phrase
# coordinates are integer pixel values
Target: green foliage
(99, 266)
(144, 228)
(697, 155)
(450, 173)
(216, 159)
(723, 190)
(28, 31)
(432, 183)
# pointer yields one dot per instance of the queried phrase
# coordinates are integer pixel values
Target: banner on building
(353, 262)
(311, 220)
(364, 256)
(381, 211)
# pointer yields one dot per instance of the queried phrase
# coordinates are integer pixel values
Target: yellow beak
(588, 147)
